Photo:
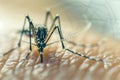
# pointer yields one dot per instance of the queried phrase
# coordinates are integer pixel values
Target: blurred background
(102, 15)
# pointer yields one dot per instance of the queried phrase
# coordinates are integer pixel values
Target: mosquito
(41, 35)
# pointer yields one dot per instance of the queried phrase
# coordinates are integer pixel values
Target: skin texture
(58, 64)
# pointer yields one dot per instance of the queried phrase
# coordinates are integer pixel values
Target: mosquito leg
(30, 30)
(2, 55)
(19, 43)
(59, 32)
(85, 56)
(52, 29)
(31, 27)
(82, 55)
(79, 54)
(48, 13)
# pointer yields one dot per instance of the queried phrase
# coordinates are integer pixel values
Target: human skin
(58, 64)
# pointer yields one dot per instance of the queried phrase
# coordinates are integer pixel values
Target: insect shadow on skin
(41, 35)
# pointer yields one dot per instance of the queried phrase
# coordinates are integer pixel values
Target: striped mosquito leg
(85, 56)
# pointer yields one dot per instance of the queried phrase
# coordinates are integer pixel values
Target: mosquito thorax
(41, 33)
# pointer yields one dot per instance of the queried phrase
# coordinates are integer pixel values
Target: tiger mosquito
(41, 34)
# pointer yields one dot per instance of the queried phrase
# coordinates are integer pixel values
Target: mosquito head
(41, 33)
